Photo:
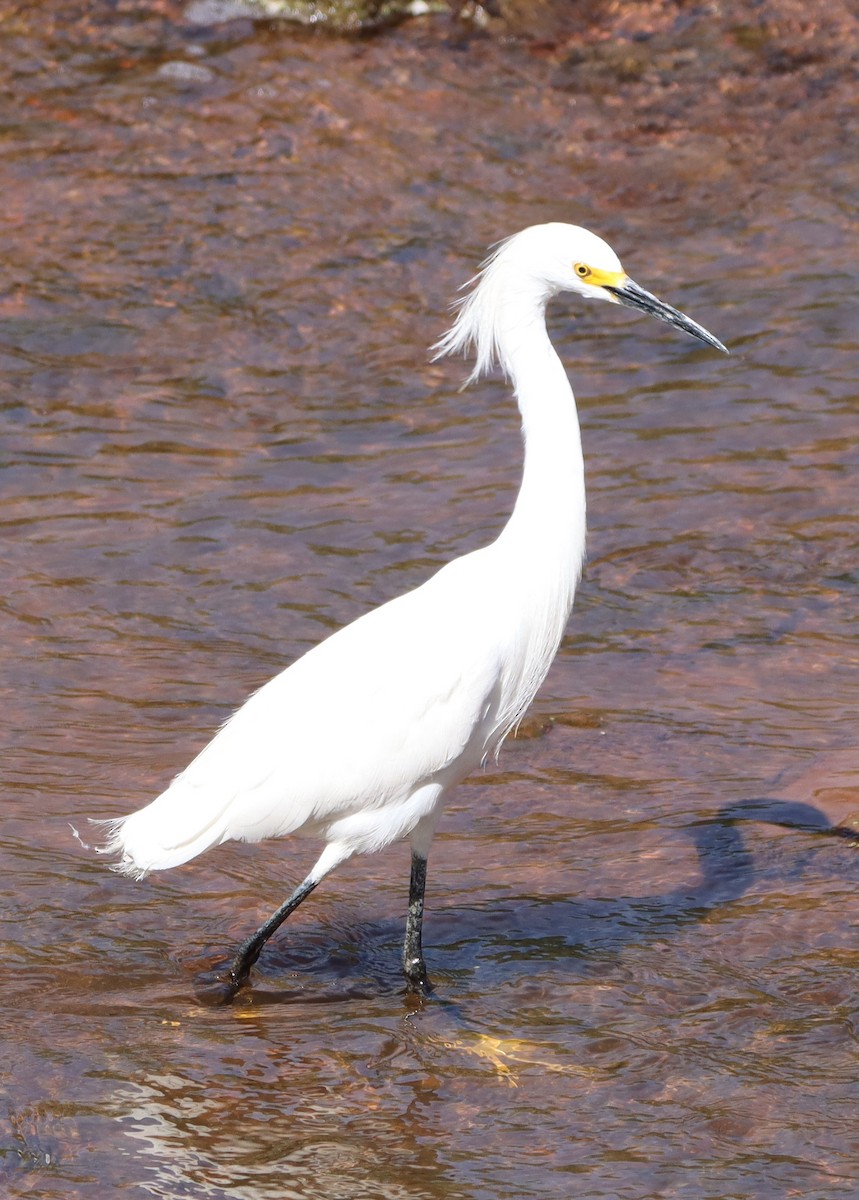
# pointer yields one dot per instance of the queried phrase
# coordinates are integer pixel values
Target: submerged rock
(183, 72)
(342, 16)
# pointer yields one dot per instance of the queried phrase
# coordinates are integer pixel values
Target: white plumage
(359, 742)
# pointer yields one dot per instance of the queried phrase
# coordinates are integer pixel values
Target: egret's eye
(582, 270)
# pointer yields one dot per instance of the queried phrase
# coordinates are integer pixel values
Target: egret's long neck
(548, 522)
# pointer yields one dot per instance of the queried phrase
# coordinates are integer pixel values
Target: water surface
(222, 438)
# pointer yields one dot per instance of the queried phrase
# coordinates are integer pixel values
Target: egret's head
(528, 269)
(562, 258)
(570, 259)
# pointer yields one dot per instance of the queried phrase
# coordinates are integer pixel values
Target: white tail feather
(149, 840)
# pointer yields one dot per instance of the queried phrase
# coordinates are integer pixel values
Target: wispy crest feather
(475, 328)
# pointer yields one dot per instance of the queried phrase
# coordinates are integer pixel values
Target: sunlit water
(222, 438)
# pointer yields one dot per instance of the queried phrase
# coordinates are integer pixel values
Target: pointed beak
(633, 296)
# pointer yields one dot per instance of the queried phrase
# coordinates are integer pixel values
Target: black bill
(634, 296)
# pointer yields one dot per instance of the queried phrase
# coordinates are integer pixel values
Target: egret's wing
(379, 707)
(364, 717)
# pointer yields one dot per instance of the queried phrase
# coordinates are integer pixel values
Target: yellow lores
(606, 279)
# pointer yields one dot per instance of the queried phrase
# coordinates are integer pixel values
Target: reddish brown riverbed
(225, 252)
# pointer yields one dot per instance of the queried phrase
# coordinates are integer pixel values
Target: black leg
(414, 967)
(249, 951)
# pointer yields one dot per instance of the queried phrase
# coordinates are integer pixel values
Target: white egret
(361, 740)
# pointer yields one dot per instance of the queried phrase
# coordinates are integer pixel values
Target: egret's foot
(239, 973)
(218, 989)
(417, 980)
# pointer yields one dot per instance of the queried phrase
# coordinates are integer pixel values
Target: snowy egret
(361, 740)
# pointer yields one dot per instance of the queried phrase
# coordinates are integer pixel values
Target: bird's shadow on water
(572, 933)
(577, 932)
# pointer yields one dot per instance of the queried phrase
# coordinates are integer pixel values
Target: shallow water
(222, 438)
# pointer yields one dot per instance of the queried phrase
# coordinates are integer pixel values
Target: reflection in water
(222, 439)
(203, 1141)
